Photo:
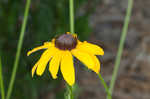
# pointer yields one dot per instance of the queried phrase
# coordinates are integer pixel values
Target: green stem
(70, 92)
(121, 45)
(1, 82)
(71, 7)
(105, 85)
(19, 47)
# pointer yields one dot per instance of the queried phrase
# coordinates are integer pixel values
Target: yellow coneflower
(60, 52)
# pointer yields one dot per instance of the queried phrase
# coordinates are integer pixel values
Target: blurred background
(97, 21)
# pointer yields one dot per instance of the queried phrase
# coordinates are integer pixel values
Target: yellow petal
(45, 46)
(67, 32)
(90, 48)
(84, 57)
(54, 64)
(34, 68)
(46, 56)
(67, 67)
(97, 64)
(75, 35)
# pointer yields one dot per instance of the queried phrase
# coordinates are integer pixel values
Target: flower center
(66, 42)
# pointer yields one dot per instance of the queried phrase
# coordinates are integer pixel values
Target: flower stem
(71, 12)
(19, 47)
(70, 92)
(121, 45)
(71, 7)
(1, 82)
(105, 85)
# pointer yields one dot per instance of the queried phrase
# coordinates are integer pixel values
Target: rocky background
(133, 80)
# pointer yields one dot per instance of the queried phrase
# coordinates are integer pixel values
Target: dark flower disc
(66, 42)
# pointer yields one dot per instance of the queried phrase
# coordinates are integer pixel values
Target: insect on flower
(59, 53)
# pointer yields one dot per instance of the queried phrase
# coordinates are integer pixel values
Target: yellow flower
(60, 52)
